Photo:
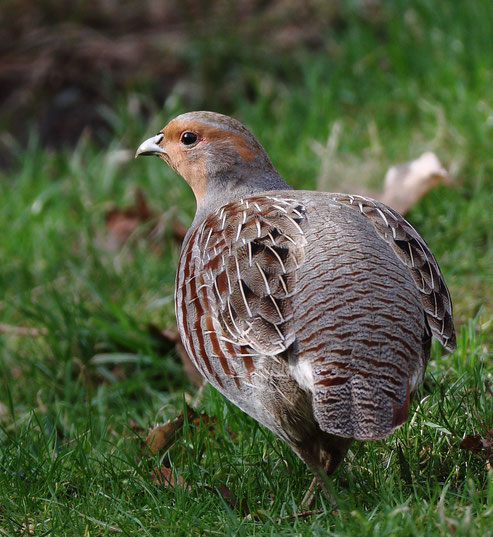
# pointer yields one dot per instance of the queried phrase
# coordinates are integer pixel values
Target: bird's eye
(188, 138)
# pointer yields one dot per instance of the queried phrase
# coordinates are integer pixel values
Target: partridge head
(312, 312)
(216, 155)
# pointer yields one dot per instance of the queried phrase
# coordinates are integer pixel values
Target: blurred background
(63, 63)
(338, 91)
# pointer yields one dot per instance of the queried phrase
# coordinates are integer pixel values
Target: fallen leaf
(479, 445)
(162, 435)
(205, 419)
(405, 184)
(16, 372)
(164, 476)
(121, 223)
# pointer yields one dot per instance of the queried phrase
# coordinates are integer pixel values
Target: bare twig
(303, 514)
(22, 330)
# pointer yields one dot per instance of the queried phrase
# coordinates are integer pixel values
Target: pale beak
(150, 147)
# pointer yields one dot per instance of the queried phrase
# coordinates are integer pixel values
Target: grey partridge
(312, 312)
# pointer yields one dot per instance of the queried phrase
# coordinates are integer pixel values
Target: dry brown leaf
(164, 476)
(232, 501)
(205, 419)
(479, 445)
(121, 223)
(405, 184)
(16, 372)
(162, 435)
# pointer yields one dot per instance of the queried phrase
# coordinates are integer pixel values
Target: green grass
(73, 399)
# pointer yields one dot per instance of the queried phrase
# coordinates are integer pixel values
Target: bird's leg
(323, 457)
(310, 494)
(318, 482)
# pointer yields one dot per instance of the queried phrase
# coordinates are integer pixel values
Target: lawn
(85, 373)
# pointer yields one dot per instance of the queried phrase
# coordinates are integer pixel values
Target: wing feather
(413, 251)
(249, 251)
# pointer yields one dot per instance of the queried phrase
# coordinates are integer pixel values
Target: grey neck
(225, 189)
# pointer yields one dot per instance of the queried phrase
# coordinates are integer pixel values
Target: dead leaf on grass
(405, 184)
(165, 477)
(121, 223)
(479, 445)
(162, 435)
(206, 420)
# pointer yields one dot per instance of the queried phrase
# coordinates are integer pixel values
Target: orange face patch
(209, 134)
(191, 162)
